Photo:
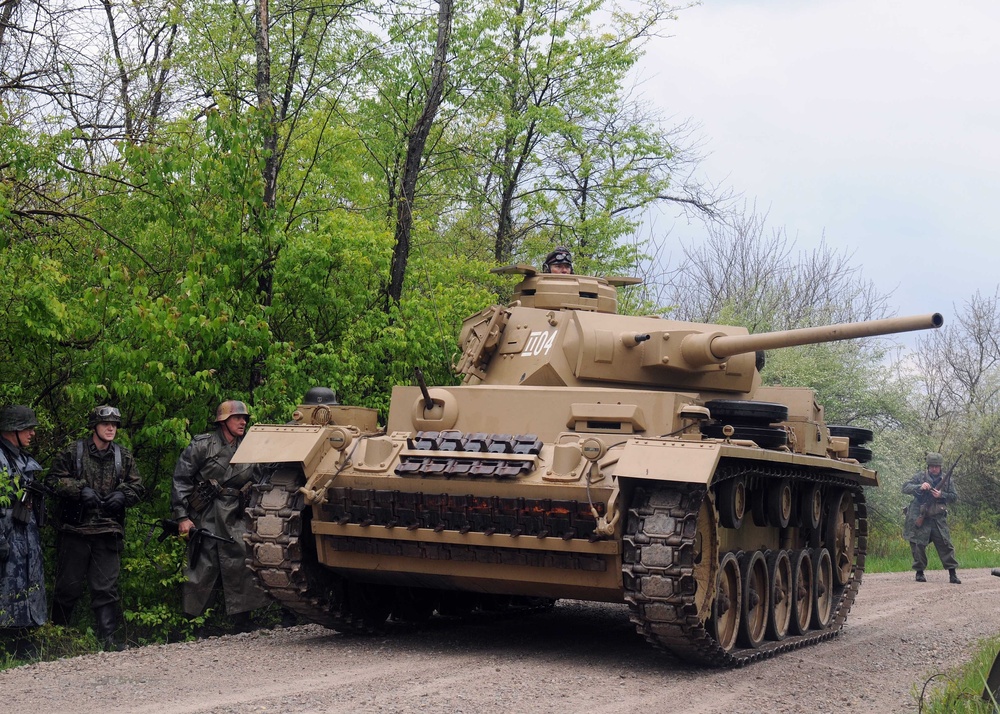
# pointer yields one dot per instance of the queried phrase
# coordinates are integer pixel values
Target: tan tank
(586, 455)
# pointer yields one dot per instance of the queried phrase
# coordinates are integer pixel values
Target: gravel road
(579, 657)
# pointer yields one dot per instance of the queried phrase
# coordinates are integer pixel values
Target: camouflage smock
(207, 458)
(100, 474)
(22, 577)
(922, 534)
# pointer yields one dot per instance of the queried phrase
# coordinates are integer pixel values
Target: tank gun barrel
(699, 349)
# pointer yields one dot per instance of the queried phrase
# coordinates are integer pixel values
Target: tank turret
(586, 455)
(560, 331)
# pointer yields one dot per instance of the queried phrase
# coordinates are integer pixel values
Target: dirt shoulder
(579, 656)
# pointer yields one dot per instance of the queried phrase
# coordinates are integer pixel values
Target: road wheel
(823, 589)
(803, 584)
(755, 602)
(779, 573)
(856, 435)
(726, 607)
(840, 536)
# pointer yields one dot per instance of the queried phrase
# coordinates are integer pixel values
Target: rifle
(38, 488)
(197, 536)
(927, 500)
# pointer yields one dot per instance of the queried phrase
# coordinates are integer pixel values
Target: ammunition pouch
(21, 511)
(205, 492)
(936, 509)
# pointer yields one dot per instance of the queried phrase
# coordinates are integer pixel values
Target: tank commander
(22, 513)
(94, 480)
(320, 396)
(927, 517)
(209, 492)
(558, 262)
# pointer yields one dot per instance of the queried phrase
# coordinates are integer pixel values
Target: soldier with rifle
(210, 493)
(927, 517)
(195, 535)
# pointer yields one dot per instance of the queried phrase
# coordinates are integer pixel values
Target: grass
(889, 553)
(960, 690)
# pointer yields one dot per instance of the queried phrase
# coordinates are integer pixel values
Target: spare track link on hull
(665, 612)
(283, 559)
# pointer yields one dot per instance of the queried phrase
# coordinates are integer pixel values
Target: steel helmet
(229, 408)
(104, 414)
(934, 459)
(17, 417)
(320, 395)
(559, 256)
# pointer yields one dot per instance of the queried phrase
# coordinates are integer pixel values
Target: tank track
(282, 556)
(661, 592)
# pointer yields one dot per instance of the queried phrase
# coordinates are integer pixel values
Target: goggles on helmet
(106, 413)
(559, 257)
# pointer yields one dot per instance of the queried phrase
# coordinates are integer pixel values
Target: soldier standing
(95, 480)
(211, 493)
(22, 573)
(927, 518)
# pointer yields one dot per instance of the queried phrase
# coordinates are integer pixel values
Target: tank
(585, 455)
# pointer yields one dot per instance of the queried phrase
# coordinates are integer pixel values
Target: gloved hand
(115, 502)
(89, 497)
(4, 551)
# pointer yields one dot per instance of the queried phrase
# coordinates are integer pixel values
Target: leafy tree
(958, 368)
(544, 84)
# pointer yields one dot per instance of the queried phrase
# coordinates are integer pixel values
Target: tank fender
(268, 444)
(662, 460)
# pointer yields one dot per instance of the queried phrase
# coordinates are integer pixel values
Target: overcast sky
(875, 123)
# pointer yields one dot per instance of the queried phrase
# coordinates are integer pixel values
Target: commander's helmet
(559, 256)
(320, 395)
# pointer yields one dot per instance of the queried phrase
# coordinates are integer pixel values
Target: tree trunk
(265, 104)
(7, 9)
(416, 142)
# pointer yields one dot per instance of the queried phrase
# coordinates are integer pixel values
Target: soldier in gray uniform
(95, 480)
(22, 573)
(210, 493)
(927, 518)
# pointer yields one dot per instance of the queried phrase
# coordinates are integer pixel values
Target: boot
(106, 619)
(25, 647)
(920, 577)
(61, 614)
(953, 577)
(288, 618)
(242, 622)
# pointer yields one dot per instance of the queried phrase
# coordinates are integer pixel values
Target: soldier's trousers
(82, 560)
(945, 550)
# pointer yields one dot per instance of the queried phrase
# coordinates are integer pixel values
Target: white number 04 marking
(539, 343)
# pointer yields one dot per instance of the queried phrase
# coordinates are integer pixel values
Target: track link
(282, 556)
(659, 564)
